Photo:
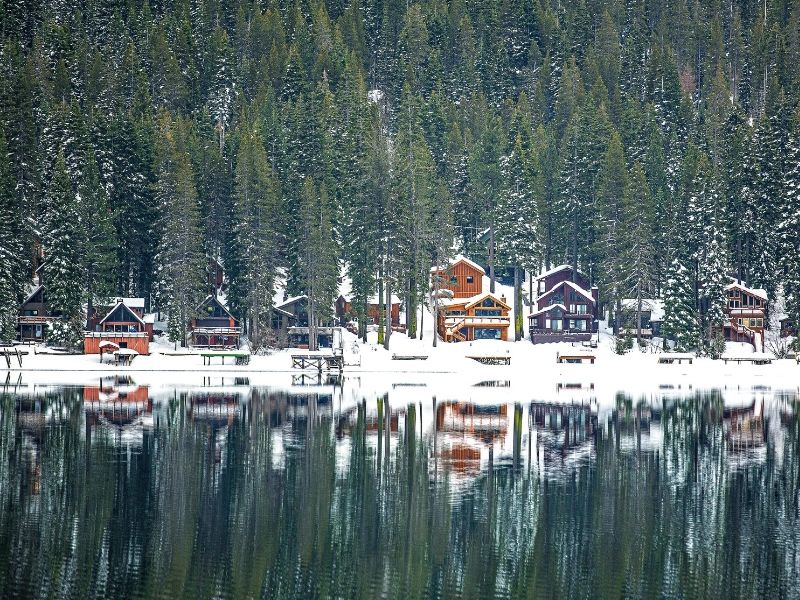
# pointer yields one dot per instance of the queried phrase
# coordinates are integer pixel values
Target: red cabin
(461, 276)
(122, 327)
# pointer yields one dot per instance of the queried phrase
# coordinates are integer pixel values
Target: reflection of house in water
(216, 407)
(120, 406)
(465, 432)
(638, 426)
(744, 427)
(563, 429)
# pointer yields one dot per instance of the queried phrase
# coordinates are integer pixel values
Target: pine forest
(653, 144)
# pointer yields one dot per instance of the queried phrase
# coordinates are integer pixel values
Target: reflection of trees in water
(647, 516)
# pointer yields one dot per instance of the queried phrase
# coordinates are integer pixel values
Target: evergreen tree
(680, 318)
(254, 246)
(180, 261)
(12, 243)
(62, 245)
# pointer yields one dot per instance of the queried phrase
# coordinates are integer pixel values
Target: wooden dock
(409, 357)
(492, 360)
(319, 362)
(574, 358)
(670, 358)
(240, 358)
(754, 359)
(13, 351)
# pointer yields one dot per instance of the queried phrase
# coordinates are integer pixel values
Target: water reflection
(225, 490)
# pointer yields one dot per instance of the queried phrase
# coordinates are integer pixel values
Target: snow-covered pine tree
(638, 248)
(98, 237)
(517, 236)
(223, 89)
(12, 245)
(254, 248)
(789, 236)
(62, 246)
(180, 261)
(680, 318)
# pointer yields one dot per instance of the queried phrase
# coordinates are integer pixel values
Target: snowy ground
(447, 373)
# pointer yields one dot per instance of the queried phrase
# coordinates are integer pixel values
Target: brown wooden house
(480, 317)
(462, 277)
(122, 327)
(214, 326)
(746, 313)
(34, 317)
(787, 327)
(566, 309)
(345, 312)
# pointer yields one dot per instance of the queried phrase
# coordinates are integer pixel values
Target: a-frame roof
(125, 308)
(481, 297)
(212, 299)
(459, 259)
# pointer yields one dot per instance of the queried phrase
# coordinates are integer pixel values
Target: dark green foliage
(522, 119)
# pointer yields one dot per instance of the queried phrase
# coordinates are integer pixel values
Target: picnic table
(492, 360)
(240, 358)
(124, 357)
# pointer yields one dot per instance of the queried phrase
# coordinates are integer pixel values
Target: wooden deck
(492, 360)
(575, 358)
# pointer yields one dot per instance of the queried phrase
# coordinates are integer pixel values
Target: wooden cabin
(103, 306)
(787, 327)
(297, 307)
(34, 317)
(652, 316)
(480, 317)
(123, 327)
(214, 326)
(566, 308)
(345, 312)
(745, 311)
(462, 277)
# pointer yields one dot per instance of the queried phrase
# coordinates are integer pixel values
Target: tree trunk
(517, 305)
(388, 313)
(639, 316)
(617, 313)
(381, 314)
(491, 258)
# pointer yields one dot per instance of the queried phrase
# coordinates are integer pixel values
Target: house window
(486, 333)
(470, 279)
(482, 312)
(739, 322)
(578, 309)
(553, 324)
(577, 324)
(456, 313)
(541, 287)
(733, 304)
(454, 280)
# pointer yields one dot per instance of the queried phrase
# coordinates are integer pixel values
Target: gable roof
(291, 300)
(480, 297)
(553, 271)
(135, 318)
(547, 309)
(211, 298)
(587, 294)
(758, 292)
(455, 261)
(654, 305)
(32, 294)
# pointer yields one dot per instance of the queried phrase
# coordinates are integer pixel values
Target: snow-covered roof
(455, 261)
(291, 300)
(574, 286)
(372, 299)
(654, 305)
(219, 301)
(33, 293)
(480, 297)
(547, 309)
(758, 292)
(555, 270)
(118, 304)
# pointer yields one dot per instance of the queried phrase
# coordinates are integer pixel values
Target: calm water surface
(115, 490)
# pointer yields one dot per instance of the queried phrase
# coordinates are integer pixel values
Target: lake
(326, 491)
